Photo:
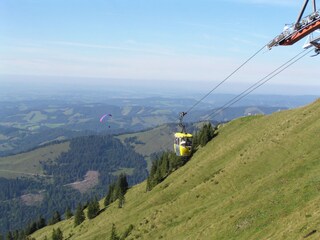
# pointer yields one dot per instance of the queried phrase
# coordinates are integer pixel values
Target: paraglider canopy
(104, 117)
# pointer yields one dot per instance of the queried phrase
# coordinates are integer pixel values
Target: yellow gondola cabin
(183, 144)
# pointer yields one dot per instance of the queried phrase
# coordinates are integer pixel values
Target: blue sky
(149, 40)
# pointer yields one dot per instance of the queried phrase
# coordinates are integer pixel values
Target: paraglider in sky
(105, 117)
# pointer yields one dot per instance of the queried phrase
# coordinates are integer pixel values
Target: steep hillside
(258, 179)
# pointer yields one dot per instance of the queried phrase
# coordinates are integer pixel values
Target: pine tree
(93, 208)
(149, 185)
(9, 236)
(53, 234)
(204, 135)
(22, 235)
(79, 215)
(41, 222)
(117, 190)
(96, 206)
(55, 218)
(57, 234)
(121, 198)
(114, 235)
(111, 195)
(127, 232)
(122, 187)
(68, 214)
(16, 235)
(153, 170)
(31, 228)
(123, 183)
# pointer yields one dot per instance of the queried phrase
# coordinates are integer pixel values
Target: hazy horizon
(168, 46)
(191, 89)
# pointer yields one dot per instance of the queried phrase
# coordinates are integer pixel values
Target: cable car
(183, 144)
(182, 140)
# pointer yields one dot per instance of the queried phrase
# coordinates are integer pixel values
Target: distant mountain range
(28, 124)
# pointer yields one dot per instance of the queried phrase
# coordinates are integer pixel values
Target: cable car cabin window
(186, 142)
(189, 142)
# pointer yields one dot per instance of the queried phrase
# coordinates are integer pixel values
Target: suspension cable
(259, 83)
(231, 74)
(265, 79)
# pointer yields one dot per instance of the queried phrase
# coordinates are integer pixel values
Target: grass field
(258, 179)
(28, 164)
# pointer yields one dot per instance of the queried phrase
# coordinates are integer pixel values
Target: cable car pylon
(300, 29)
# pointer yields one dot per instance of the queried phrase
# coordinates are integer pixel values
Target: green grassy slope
(258, 179)
(26, 164)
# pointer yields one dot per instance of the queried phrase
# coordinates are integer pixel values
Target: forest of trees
(204, 135)
(12, 188)
(116, 191)
(162, 166)
(100, 153)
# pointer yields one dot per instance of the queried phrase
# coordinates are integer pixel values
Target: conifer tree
(16, 235)
(165, 165)
(96, 206)
(55, 218)
(57, 234)
(22, 235)
(127, 232)
(122, 187)
(31, 228)
(41, 222)
(79, 215)
(53, 234)
(117, 190)
(162, 167)
(9, 236)
(204, 135)
(110, 196)
(121, 198)
(68, 213)
(93, 208)
(123, 183)
(114, 235)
